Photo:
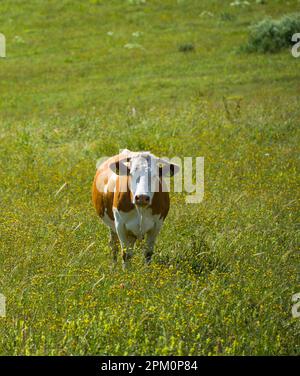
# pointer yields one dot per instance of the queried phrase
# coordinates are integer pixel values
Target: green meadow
(83, 79)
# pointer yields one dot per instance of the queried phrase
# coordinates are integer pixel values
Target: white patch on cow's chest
(138, 221)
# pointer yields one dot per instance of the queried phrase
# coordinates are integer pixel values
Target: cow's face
(144, 171)
(144, 179)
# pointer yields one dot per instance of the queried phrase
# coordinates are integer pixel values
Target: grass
(225, 270)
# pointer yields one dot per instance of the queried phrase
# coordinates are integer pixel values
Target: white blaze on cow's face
(144, 179)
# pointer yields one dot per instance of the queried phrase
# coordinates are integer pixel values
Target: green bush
(272, 35)
(186, 47)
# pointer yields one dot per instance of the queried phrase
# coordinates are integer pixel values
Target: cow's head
(145, 172)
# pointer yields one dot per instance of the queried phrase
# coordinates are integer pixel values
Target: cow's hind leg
(114, 245)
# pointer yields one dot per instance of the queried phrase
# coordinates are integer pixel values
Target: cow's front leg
(150, 242)
(148, 252)
(127, 243)
(127, 249)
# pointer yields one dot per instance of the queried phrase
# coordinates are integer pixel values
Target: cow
(132, 199)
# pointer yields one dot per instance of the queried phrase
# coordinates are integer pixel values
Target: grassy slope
(225, 270)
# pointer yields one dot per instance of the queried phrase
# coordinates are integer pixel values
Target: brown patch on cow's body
(98, 197)
(160, 202)
(103, 201)
(103, 193)
(122, 198)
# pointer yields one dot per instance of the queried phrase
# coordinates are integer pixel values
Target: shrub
(186, 47)
(272, 35)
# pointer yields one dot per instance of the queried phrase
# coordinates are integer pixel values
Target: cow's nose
(142, 199)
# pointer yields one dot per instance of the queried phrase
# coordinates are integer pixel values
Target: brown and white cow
(132, 199)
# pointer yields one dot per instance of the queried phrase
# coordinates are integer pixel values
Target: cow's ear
(119, 168)
(169, 169)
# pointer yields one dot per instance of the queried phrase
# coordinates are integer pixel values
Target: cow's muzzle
(142, 200)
